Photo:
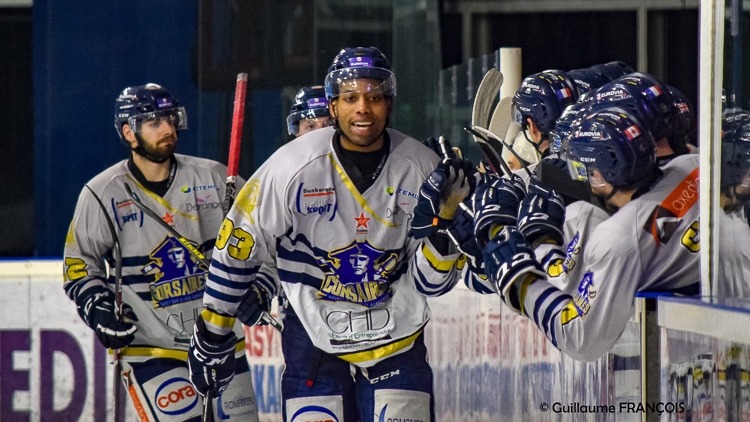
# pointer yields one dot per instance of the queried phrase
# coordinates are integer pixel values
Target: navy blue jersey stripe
(233, 270)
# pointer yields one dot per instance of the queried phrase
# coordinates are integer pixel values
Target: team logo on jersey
(357, 273)
(572, 250)
(248, 199)
(586, 292)
(316, 201)
(177, 276)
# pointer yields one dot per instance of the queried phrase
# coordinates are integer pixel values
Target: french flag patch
(563, 93)
(653, 92)
(632, 132)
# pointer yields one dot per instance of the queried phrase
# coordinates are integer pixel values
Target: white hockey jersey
(351, 273)
(650, 244)
(161, 280)
(734, 256)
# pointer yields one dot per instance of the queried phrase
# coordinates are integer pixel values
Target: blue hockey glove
(254, 303)
(97, 310)
(461, 232)
(541, 216)
(211, 364)
(440, 195)
(509, 260)
(496, 204)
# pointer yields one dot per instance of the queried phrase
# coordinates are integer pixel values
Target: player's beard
(161, 150)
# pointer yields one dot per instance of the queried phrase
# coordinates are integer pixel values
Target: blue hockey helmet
(735, 156)
(309, 103)
(543, 97)
(360, 63)
(612, 70)
(587, 80)
(137, 104)
(684, 124)
(615, 143)
(565, 125)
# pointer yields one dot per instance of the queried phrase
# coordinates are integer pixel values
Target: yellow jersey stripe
(212, 318)
(158, 352)
(355, 193)
(381, 352)
(161, 201)
(435, 261)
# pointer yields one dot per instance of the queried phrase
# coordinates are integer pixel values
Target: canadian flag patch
(632, 132)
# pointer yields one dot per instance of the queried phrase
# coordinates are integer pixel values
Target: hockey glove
(461, 232)
(446, 187)
(254, 303)
(211, 364)
(97, 310)
(541, 216)
(496, 204)
(509, 260)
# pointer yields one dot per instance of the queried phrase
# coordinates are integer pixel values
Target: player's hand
(211, 364)
(98, 311)
(509, 260)
(496, 204)
(541, 216)
(254, 303)
(461, 232)
(440, 195)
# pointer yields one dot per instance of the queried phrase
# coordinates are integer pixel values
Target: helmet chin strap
(142, 152)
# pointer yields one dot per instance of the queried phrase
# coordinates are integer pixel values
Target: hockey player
(332, 210)
(309, 111)
(649, 244)
(162, 284)
(539, 101)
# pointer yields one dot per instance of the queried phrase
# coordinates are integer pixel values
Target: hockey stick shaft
(491, 135)
(208, 407)
(496, 162)
(117, 251)
(235, 141)
(487, 92)
(192, 249)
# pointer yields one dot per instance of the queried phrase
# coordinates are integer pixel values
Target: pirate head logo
(178, 277)
(584, 294)
(357, 273)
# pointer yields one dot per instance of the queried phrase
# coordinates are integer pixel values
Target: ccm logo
(175, 396)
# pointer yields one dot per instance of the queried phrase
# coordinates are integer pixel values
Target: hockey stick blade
(497, 165)
(486, 93)
(497, 142)
(192, 249)
(501, 117)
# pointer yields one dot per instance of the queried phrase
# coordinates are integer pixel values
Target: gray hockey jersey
(650, 244)
(161, 280)
(351, 273)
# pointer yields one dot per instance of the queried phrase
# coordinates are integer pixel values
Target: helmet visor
(306, 121)
(518, 117)
(177, 117)
(360, 79)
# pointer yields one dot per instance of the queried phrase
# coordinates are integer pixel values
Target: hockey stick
(235, 141)
(192, 249)
(486, 93)
(208, 407)
(501, 117)
(116, 386)
(494, 139)
(496, 162)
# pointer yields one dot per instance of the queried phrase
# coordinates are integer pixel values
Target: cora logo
(185, 189)
(175, 396)
(389, 190)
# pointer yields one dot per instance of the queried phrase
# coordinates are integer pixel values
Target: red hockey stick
(236, 140)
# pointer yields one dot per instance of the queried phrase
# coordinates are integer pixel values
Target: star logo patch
(362, 220)
(168, 218)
